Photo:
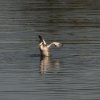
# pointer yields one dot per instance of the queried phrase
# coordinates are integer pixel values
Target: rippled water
(73, 71)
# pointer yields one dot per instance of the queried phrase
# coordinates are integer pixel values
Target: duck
(45, 48)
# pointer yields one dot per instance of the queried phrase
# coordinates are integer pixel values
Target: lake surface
(72, 72)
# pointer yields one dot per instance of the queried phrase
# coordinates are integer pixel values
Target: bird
(45, 48)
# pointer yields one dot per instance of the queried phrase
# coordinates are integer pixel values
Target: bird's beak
(61, 45)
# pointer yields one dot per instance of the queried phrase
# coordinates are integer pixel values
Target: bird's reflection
(46, 64)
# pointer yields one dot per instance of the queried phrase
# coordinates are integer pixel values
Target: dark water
(73, 71)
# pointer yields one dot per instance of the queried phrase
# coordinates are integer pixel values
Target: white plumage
(44, 47)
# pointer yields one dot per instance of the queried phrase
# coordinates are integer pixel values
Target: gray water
(72, 72)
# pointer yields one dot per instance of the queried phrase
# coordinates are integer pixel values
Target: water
(73, 71)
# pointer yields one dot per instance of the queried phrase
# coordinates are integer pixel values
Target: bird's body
(45, 48)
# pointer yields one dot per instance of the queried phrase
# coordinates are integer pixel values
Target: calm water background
(73, 71)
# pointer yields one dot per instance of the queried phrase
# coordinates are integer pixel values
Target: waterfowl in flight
(45, 48)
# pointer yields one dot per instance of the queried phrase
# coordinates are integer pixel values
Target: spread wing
(42, 40)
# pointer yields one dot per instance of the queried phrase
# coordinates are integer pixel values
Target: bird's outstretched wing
(57, 44)
(42, 40)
